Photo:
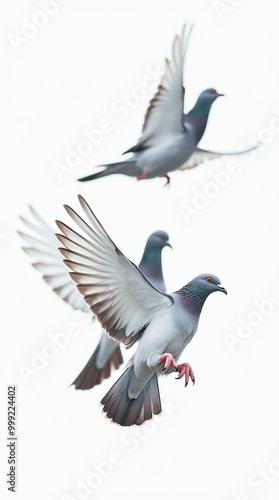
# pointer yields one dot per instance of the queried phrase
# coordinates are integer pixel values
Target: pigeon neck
(198, 117)
(151, 264)
(194, 297)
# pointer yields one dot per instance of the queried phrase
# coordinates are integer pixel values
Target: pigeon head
(195, 293)
(208, 283)
(158, 240)
(208, 96)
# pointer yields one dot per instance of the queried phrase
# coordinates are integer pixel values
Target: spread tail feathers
(91, 375)
(125, 411)
(126, 167)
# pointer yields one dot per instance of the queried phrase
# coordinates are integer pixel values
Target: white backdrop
(70, 67)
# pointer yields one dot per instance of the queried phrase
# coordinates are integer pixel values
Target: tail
(91, 375)
(126, 411)
(125, 167)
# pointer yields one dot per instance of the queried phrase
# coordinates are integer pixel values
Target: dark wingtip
(87, 178)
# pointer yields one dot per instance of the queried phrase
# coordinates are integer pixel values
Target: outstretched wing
(116, 291)
(42, 248)
(201, 155)
(164, 115)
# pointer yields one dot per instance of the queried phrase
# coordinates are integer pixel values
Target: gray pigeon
(131, 309)
(43, 247)
(170, 138)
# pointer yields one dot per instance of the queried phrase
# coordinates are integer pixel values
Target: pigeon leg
(142, 176)
(169, 361)
(168, 179)
(185, 369)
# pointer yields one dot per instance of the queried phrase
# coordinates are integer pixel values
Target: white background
(213, 440)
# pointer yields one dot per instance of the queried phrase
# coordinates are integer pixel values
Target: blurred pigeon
(107, 355)
(131, 309)
(170, 138)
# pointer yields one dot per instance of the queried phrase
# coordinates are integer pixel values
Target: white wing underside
(164, 116)
(202, 155)
(43, 249)
(116, 291)
(199, 156)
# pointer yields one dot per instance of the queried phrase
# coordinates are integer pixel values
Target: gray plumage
(169, 138)
(42, 246)
(132, 310)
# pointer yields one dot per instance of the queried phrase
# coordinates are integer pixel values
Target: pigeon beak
(220, 95)
(168, 245)
(222, 289)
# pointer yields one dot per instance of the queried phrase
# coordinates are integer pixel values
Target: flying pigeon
(43, 247)
(169, 138)
(131, 309)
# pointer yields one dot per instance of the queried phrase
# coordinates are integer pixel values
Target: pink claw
(169, 361)
(168, 179)
(185, 369)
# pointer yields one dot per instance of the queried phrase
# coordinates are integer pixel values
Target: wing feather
(198, 157)
(164, 115)
(43, 248)
(202, 155)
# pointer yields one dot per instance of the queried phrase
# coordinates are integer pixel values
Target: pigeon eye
(212, 91)
(209, 279)
(163, 237)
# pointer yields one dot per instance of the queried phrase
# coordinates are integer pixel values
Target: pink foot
(185, 369)
(169, 361)
(142, 176)
(168, 179)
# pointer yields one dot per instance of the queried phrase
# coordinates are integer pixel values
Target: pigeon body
(170, 138)
(132, 310)
(43, 248)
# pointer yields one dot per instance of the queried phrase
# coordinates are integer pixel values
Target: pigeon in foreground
(43, 247)
(131, 309)
(169, 138)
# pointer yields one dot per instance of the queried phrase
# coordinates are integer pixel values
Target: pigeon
(132, 310)
(169, 138)
(43, 247)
